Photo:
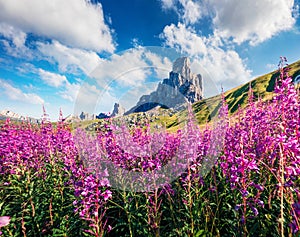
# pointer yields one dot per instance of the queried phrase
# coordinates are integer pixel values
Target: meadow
(237, 177)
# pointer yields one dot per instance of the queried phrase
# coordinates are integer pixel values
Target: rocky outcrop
(102, 116)
(7, 114)
(86, 116)
(118, 110)
(12, 115)
(182, 86)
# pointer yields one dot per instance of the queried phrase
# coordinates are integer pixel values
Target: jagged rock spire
(181, 86)
(182, 66)
(118, 110)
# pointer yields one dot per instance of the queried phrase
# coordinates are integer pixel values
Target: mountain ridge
(8, 114)
(206, 109)
(180, 87)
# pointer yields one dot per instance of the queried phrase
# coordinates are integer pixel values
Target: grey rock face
(86, 116)
(181, 86)
(118, 110)
(7, 114)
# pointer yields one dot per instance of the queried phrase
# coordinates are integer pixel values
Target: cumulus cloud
(127, 69)
(131, 97)
(252, 21)
(189, 11)
(64, 88)
(168, 4)
(76, 23)
(86, 92)
(223, 66)
(14, 41)
(70, 91)
(132, 68)
(162, 65)
(90, 98)
(296, 10)
(18, 37)
(117, 76)
(17, 94)
(52, 79)
(184, 39)
(69, 59)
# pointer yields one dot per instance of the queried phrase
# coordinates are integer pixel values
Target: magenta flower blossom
(106, 194)
(4, 220)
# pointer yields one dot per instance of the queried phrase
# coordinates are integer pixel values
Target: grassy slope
(262, 86)
(205, 110)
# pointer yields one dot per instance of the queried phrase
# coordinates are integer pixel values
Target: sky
(85, 55)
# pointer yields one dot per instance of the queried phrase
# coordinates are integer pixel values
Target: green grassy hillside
(207, 109)
(262, 86)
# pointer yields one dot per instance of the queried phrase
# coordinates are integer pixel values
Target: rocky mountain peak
(182, 66)
(182, 86)
(118, 110)
(5, 114)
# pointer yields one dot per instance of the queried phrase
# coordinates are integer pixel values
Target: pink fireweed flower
(107, 194)
(104, 182)
(4, 220)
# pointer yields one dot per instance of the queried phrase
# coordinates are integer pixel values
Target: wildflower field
(240, 177)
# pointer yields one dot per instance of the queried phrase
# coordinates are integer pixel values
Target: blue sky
(86, 55)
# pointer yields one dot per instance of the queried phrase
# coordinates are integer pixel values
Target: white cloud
(224, 67)
(16, 94)
(131, 97)
(14, 42)
(65, 89)
(106, 102)
(296, 11)
(25, 68)
(127, 69)
(271, 66)
(18, 37)
(184, 39)
(132, 68)
(240, 21)
(91, 99)
(70, 91)
(77, 23)
(136, 43)
(120, 73)
(162, 65)
(191, 11)
(168, 4)
(52, 79)
(70, 59)
(253, 21)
